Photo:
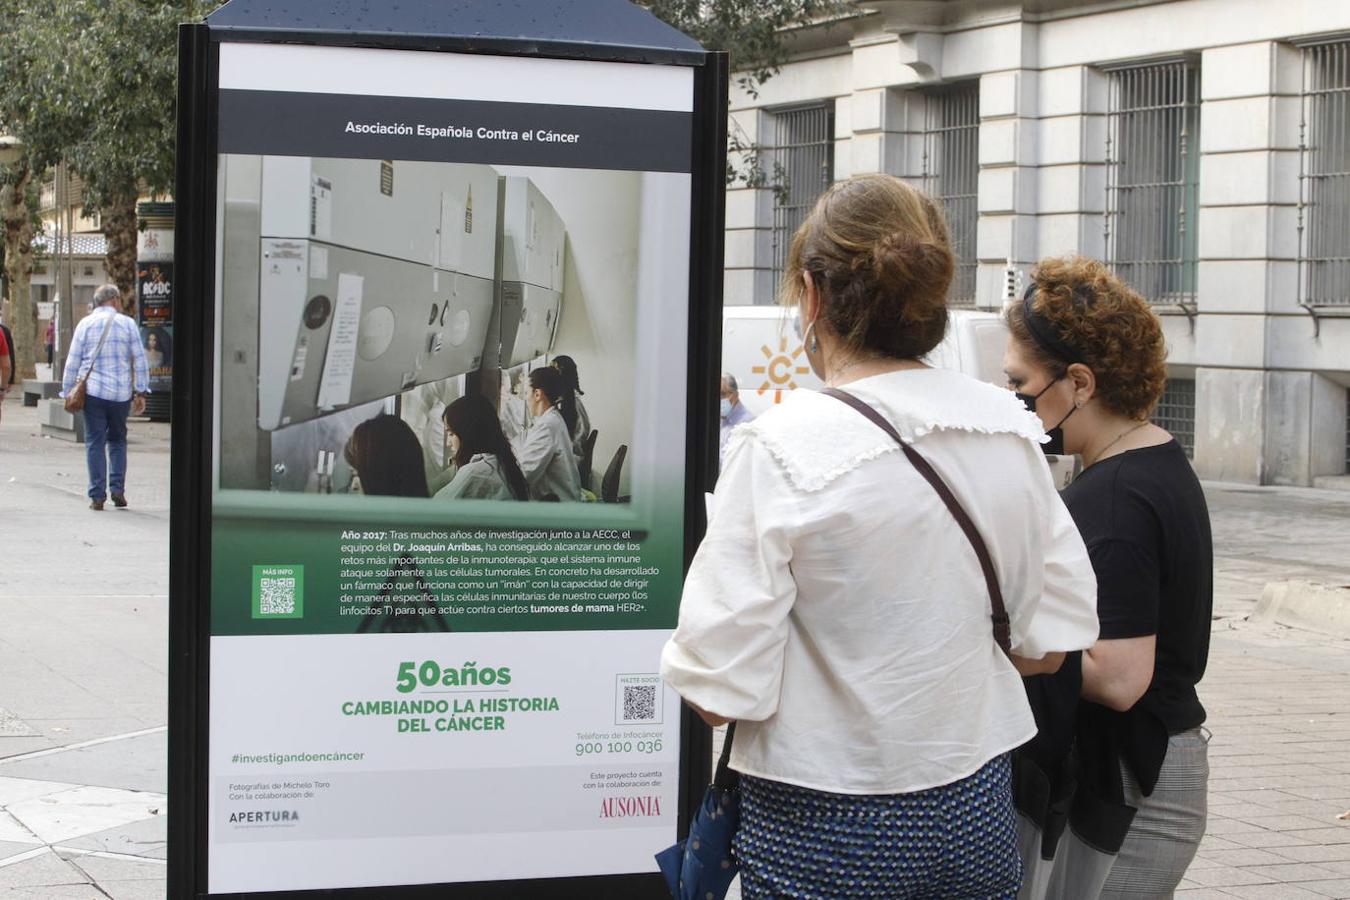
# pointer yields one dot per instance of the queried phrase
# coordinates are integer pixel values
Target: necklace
(833, 379)
(1131, 430)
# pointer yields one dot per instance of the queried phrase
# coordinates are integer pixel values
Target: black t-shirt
(1143, 517)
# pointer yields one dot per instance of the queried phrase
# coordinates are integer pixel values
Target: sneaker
(96, 505)
(119, 500)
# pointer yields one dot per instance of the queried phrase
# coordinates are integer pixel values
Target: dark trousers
(105, 445)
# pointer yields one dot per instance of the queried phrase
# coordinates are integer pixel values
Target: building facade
(1201, 147)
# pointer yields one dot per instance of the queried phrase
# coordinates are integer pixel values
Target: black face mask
(1055, 446)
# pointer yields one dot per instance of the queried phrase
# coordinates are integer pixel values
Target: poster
(424, 669)
(154, 311)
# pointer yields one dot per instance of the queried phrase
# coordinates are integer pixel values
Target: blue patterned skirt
(957, 840)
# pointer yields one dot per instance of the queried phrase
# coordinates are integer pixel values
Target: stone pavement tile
(9, 848)
(1267, 840)
(74, 731)
(1203, 893)
(1290, 823)
(1273, 892)
(136, 764)
(16, 790)
(1317, 853)
(1245, 857)
(56, 697)
(13, 831)
(1262, 797)
(41, 871)
(54, 892)
(1244, 812)
(1211, 842)
(101, 870)
(1222, 826)
(16, 746)
(1227, 876)
(1326, 835)
(145, 838)
(1338, 888)
(1292, 872)
(1315, 809)
(143, 889)
(1329, 792)
(84, 810)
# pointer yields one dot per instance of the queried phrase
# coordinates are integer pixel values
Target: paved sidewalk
(83, 634)
(83, 668)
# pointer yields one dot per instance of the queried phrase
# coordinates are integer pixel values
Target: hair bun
(901, 263)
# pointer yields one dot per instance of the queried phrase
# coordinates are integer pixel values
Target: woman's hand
(713, 719)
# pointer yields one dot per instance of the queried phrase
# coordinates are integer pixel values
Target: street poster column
(438, 595)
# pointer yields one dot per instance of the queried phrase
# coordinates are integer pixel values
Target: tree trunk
(119, 226)
(18, 221)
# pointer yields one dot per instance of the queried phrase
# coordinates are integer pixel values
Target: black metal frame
(193, 402)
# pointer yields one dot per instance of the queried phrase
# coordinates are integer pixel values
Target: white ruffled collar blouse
(838, 612)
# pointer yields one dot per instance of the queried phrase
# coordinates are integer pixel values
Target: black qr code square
(276, 596)
(639, 702)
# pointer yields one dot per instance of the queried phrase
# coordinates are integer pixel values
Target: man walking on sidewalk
(107, 347)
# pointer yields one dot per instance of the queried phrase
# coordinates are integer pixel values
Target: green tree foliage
(93, 82)
(752, 31)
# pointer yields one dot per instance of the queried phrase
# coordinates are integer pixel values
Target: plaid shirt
(111, 375)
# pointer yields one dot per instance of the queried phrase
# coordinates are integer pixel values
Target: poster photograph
(448, 467)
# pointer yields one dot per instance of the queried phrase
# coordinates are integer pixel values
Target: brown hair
(1114, 331)
(387, 456)
(879, 254)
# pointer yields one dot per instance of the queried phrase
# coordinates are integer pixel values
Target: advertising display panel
(444, 498)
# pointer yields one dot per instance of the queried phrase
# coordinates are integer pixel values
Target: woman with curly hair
(838, 609)
(1122, 719)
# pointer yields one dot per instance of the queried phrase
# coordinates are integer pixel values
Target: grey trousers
(1158, 848)
(1169, 825)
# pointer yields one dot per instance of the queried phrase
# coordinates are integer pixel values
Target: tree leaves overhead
(93, 82)
(752, 31)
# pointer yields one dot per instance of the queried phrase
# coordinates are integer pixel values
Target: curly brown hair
(1114, 330)
(880, 256)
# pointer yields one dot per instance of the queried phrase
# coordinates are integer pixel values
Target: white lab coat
(480, 478)
(547, 459)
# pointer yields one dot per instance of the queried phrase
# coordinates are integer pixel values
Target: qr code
(276, 596)
(639, 702)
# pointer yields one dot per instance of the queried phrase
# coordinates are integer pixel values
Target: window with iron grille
(801, 167)
(951, 174)
(1176, 412)
(1152, 179)
(1324, 183)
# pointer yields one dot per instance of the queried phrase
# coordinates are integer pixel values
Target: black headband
(1045, 333)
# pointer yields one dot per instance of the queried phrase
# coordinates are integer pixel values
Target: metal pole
(61, 259)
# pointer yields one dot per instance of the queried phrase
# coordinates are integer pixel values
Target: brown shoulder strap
(1002, 631)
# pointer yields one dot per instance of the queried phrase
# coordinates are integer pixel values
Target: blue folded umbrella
(702, 866)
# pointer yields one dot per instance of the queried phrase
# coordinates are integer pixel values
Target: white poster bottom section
(380, 760)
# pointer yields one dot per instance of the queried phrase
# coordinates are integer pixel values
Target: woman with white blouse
(836, 611)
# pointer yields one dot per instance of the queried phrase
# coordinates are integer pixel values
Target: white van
(761, 350)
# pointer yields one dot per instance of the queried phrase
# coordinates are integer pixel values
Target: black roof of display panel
(588, 29)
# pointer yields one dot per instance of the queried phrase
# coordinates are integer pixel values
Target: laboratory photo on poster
(436, 330)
